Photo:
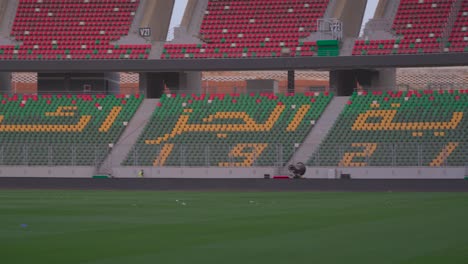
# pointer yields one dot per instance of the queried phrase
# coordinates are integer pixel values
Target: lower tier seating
(399, 129)
(60, 130)
(226, 130)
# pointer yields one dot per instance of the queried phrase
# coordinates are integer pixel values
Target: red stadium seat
(419, 25)
(259, 28)
(57, 30)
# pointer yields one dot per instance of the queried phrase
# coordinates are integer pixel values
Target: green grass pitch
(111, 227)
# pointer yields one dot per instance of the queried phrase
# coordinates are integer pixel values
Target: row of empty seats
(73, 30)
(261, 28)
(399, 129)
(458, 41)
(227, 130)
(418, 24)
(60, 130)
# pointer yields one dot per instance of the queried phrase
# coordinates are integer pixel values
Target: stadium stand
(260, 28)
(227, 130)
(398, 129)
(59, 130)
(458, 41)
(418, 26)
(54, 30)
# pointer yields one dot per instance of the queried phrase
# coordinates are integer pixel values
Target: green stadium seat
(398, 129)
(61, 130)
(226, 130)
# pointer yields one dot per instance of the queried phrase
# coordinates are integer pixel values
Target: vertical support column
(291, 81)
(385, 79)
(113, 82)
(190, 81)
(5, 82)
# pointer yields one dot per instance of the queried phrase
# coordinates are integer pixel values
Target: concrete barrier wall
(240, 173)
(188, 172)
(46, 172)
(388, 173)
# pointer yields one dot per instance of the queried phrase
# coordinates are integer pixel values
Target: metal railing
(429, 154)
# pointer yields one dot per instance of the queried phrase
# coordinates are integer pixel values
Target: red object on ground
(280, 177)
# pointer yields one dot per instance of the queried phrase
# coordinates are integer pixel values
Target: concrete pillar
(291, 81)
(5, 82)
(157, 16)
(385, 79)
(190, 81)
(113, 82)
(351, 13)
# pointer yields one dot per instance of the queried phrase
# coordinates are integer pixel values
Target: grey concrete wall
(351, 13)
(385, 81)
(5, 82)
(57, 172)
(188, 13)
(257, 86)
(190, 81)
(380, 10)
(387, 173)
(254, 172)
(157, 16)
(191, 172)
(113, 80)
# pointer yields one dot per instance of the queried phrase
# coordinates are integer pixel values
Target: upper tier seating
(399, 129)
(259, 28)
(458, 41)
(418, 24)
(67, 29)
(59, 130)
(227, 130)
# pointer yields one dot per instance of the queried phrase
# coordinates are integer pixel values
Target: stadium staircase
(51, 30)
(320, 130)
(129, 136)
(61, 130)
(236, 29)
(226, 130)
(398, 129)
(418, 25)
